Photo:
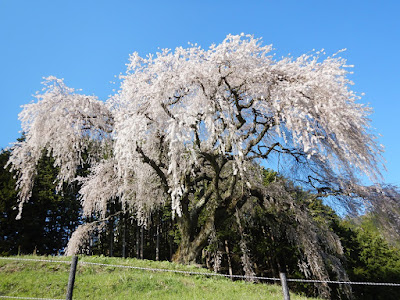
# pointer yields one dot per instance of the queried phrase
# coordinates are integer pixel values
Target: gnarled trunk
(192, 242)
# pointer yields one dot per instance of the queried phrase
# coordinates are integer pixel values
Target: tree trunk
(111, 236)
(185, 253)
(137, 241)
(229, 258)
(158, 243)
(141, 241)
(124, 237)
(191, 242)
(170, 247)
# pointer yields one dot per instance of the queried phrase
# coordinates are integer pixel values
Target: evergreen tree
(48, 218)
(8, 202)
(370, 258)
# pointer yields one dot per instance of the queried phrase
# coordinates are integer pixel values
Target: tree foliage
(49, 218)
(188, 129)
(370, 257)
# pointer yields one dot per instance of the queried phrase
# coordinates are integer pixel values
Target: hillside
(49, 280)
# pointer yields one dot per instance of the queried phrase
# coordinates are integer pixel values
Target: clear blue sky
(88, 42)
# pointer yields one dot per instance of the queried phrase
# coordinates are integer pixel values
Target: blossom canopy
(178, 112)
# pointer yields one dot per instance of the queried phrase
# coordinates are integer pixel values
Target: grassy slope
(49, 280)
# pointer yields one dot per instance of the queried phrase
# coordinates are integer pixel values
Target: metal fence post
(285, 289)
(71, 279)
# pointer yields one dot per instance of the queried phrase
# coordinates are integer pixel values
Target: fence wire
(28, 298)
(36, 259)
(177, 271)
(206, 274)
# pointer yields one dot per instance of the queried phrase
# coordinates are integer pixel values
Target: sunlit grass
(49, 280)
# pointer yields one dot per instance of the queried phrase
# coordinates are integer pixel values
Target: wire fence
(32, 298)
(191, 273)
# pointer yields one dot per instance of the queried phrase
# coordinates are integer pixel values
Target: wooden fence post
(71, 279)
(285, 289)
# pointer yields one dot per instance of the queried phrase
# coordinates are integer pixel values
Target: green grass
(49, 280)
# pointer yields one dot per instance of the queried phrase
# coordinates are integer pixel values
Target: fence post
(71, 279)
(285, 289)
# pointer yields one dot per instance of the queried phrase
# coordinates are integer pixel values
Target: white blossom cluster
(177, 108)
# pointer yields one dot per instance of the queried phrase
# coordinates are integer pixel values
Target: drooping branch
(156, 167)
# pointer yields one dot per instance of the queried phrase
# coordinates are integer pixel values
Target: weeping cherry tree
(190, 128)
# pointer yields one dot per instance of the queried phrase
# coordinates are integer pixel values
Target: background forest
(50, 218)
